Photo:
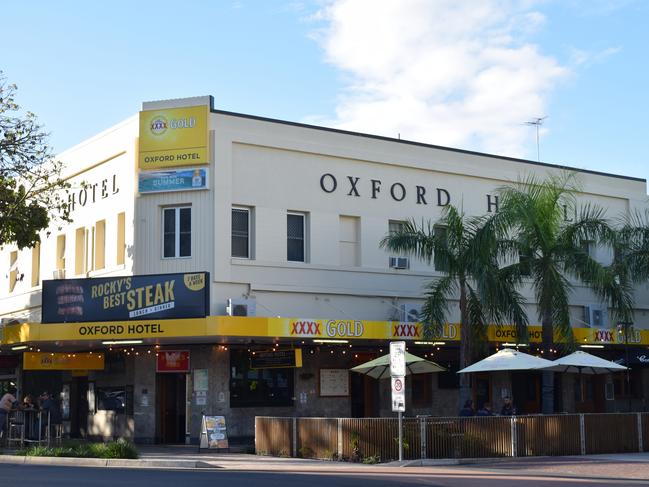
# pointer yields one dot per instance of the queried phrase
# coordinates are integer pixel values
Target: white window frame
(177, 232)
(250, 216)
(305, 232)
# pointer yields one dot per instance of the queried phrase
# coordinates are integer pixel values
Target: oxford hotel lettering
(374, 188)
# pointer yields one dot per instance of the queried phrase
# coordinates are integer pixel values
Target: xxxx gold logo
(159, 125)
(194, 282)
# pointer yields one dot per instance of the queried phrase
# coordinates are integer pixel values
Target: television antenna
(538, 121)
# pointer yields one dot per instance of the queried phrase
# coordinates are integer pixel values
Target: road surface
(54, 476)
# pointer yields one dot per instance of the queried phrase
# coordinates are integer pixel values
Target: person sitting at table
(51, 410)
(485, 410)
(30, 409)
(7, 403)
(508, 408)
(28, 403)
(467, 410)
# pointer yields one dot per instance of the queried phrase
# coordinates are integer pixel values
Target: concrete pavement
(633, 466)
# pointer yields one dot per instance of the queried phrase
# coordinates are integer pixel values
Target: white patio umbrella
(584, 363)
(507, 359)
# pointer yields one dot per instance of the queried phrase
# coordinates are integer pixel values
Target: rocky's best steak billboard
(163, 296)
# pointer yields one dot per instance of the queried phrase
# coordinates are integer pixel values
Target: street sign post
(397, 359)
(398, 394)
(398, 378)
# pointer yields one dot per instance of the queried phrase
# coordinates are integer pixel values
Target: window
(13, 269)
(241, 233)
(258, 387)
(100, 244)
(177, 232)
(295, 241)
(395, 226)
(525, 264)
(60, 252)
(121, 238)
(36, 264)
(440, 232)
(349, 248)
(80, 251)
(449, 379)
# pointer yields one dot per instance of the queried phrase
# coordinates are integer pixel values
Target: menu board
(213, 433)
(334, 382)
(276, 359)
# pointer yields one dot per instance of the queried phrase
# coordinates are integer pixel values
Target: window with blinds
(241, 233)
(295, 237)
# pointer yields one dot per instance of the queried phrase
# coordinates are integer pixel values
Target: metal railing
(30, 427)
(453, 437)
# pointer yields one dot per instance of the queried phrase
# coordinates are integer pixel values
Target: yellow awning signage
(63, 361)
(174, 137)
(217, 327)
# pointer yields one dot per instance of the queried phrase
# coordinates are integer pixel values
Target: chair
(16, 430)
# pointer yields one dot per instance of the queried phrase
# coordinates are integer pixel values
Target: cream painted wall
(273, 168)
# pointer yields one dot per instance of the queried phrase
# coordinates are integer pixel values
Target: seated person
(485, 410)
(508, 408)
(7, 403)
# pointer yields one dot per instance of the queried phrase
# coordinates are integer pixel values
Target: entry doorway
(526, 390)
(170, 407)
(79, 407)
(365, 393)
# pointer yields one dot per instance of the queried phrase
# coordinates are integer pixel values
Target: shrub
(116, 449)
(371, 459)
(306, 452)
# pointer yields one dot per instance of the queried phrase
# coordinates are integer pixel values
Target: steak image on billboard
(162, 296)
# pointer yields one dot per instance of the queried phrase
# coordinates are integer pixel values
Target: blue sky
(463, 74)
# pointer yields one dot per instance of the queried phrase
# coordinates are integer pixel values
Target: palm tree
(552, 236)
(460, 249)
(630, 264)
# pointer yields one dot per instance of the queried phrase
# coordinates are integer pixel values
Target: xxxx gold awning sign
(63, 361)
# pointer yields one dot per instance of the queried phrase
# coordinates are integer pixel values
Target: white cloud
(587, 58)
(445, 72)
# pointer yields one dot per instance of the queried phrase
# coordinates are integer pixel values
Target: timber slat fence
(453, 437)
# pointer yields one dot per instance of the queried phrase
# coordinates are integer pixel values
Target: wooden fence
(452, 437)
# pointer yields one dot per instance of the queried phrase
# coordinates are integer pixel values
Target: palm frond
(435, 312)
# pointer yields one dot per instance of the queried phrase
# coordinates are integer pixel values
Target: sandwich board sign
(214, 435)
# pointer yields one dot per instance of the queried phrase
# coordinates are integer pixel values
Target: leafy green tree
(32, 192)
(467, 257)
(543, 223)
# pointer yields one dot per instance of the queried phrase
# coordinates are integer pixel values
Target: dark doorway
(526, 390)
(364, 391)
(79, 407)
(170, 408)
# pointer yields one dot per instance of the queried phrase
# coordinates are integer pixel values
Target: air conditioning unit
(58, 274)
(410, 312)
(241, 307)
(399, 263)
(596, 316)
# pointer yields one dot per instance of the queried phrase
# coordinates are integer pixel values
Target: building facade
(281, 222)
